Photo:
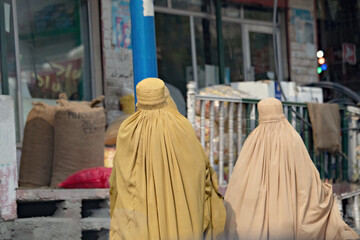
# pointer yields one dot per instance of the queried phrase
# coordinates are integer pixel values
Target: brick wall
(302, 41)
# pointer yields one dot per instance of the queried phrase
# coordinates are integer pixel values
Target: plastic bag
(109, 154)
(88, 178)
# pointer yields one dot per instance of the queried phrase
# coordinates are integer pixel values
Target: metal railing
(351, 212)
(223, 123)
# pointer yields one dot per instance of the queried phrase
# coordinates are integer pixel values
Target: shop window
(54, 50)
(193, 5)
(8, 75)
(162, 3)
(206, 52)
(173, 49)
(262, 55)
(233, 53)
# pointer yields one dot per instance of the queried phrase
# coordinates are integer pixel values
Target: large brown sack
(37, 150)
(78, 138)
(112, 130)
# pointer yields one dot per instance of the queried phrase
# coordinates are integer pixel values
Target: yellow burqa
(161, 185)
(275, 191)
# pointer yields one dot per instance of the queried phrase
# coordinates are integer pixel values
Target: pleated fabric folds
(162, 186)
(275, 191)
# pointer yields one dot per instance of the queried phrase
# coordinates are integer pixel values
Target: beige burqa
(162, 185)
(275, 191)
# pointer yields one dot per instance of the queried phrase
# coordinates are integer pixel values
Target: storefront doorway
(259, 55)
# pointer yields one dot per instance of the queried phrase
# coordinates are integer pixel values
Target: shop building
(83, 48)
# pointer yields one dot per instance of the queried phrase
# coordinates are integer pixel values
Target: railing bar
(356, 211)
(248, 122)
(212, 129)
(306, 131)
(231, 139)
(252, 116)
(301, 112)
(322, 167)
(286, 112)
(221, 144)
(344, 135)
(297, 120)
(256, 116)
(202, 123)
(239, 125)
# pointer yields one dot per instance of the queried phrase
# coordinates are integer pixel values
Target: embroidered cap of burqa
(275, 191)
(161, 185)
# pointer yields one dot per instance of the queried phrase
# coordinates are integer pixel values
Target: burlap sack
(127, 103)
(112, 130)
(325, 121)
(37, 150)
(78, 138)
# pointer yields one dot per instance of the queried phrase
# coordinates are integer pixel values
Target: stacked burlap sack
(38, 146)
(127, 107)
(110, 140)
(61, 140)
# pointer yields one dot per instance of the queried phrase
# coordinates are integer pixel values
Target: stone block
(8, 162)
(47, 228)
(69, 209)
(6, 228)
(60, 194)
(95, 223)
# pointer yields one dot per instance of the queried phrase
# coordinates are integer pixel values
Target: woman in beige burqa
(162, 185)
(275, 191)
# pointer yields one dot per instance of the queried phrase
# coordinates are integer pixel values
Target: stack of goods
(110, 140)
(61, 140)
(112, 130)
(109, 154)
(78, 130)
(38, 144)
(127, 101)
(224, 91)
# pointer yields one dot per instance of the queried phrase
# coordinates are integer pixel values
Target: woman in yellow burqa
(161, 185)
(275, 191)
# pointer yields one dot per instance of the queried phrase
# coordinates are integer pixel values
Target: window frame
(245, 24)
(94, 54)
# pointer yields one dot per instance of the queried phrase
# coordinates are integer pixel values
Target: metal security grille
(230, 120)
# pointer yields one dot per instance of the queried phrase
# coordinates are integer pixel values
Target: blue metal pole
(143, 40)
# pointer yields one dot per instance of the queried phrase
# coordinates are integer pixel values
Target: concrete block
(99, 235)
(8, 162)
(96, 209)
(6, 228)
(60, 194)
(47, 228)
(95, 223)
(69, 209)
